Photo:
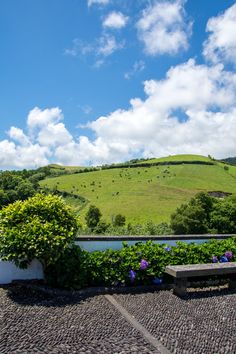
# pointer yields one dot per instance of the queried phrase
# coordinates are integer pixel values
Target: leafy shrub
(93, 217)
(142, 263)
(41, 227)
(119, 220)
(205, 214)
(70, 270)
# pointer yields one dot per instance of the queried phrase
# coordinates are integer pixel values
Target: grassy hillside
(145, 193)
(178, 158)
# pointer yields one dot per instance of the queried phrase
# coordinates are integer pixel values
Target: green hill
(151, 192)
(230, 160)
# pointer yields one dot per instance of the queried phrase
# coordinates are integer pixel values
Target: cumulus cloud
(115, 20)
(221, 44)
(14, 155)
(163, 28)
(38, 118)
(45, 132)
(191, 110)
(154, 126)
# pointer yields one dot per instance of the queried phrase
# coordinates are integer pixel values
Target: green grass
(144, 193)
(177, 158)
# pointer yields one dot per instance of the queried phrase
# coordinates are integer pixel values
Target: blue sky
(97, 81)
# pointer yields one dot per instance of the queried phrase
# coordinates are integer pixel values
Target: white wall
(9, 272)
(101, 245)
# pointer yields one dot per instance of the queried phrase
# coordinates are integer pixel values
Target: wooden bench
(181, 273)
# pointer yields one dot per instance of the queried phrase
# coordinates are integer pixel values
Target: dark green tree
(193, 217)
(223, 217)
(119, 220)
(93, 217)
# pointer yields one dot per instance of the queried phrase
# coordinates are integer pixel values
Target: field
(145, 193)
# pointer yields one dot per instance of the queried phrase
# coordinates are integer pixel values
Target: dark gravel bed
(32, 322)
(204, 322)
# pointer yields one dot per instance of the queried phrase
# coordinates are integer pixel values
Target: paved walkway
(154, 322)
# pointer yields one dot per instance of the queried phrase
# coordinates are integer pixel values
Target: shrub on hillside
(93, 217)
(119, 220)
(41, 227)
(205, 214)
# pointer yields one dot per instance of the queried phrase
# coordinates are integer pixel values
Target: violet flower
(229, 255)
(143, 264)
(167, 249)
(214, 259)
(132, 275)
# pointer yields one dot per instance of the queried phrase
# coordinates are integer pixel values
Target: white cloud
(221, 44)
(101, 48)
(204, 95)
(79, 48)
(163, 28)
(18, 135)
(98, 2)
(20, 156)
(115, 20)
(54, 135)
(108, 45)
(38, 118)
(152, 125)
(138, 66)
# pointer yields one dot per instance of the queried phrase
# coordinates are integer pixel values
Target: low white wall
(117, 245)
(9, 272)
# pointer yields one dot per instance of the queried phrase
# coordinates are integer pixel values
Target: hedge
(140, 264)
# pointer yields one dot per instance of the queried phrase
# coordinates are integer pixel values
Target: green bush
(119, 220)
(41, 227)
(205, 214)
(70, 270)
(79, 268)
(93, 217)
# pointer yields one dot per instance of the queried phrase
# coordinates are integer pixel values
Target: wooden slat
(194, 270)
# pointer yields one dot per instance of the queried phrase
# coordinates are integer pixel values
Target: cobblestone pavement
(204, 322)
(33, 322)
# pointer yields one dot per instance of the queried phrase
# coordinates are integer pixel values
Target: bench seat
(181, 273)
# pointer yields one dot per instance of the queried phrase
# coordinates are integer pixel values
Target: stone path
(153, 322)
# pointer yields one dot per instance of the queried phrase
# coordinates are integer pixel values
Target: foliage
(142, 263)
(119, 220)
(148, 228)
(205, 214)
(40, 227)
(93, 217)
(223, 217)
(70, 270)
(14, 187)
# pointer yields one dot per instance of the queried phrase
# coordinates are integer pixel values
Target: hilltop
(230, 160)
(142, 190)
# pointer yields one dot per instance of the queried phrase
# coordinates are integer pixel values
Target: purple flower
(223, 259)
(167, 249)
(214, 259)
(157, 281)
(229, 255)
(132, 275)
(143, 264)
